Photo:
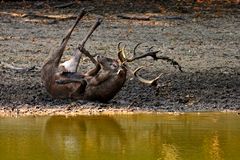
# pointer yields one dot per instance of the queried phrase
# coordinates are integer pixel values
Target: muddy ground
(206, 45)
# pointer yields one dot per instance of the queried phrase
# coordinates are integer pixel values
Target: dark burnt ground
(205, 44)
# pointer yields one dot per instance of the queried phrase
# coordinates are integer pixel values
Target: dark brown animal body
(63, 81)
(102, 86)
(102, 83)
(108, 81)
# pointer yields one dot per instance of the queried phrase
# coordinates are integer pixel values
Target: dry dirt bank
(207, 47)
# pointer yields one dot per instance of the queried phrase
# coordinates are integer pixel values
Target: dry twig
(18, 69)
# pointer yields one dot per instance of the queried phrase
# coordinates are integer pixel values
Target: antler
(121, 55)
(123, 58)
(152, 54)
(152, 82)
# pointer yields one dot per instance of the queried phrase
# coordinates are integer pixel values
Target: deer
(101, 83)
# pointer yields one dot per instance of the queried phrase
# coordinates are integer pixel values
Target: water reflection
(157, 137)
(169, 152)
(84, 136)
(212, 147)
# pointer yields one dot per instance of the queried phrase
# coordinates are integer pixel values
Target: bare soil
(206, 45)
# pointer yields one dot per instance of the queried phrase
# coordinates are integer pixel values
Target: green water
(208, 136)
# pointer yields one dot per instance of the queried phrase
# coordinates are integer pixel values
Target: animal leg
(72, 64)
(81, 45)
(56, 56)
(93, 71)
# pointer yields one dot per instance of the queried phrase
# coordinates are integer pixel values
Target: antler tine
(173, 62)
(121, 53)
(152, 82)
(118, 46)
(149, 49)
(134, 50)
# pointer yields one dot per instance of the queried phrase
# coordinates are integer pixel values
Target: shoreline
(95, 111)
